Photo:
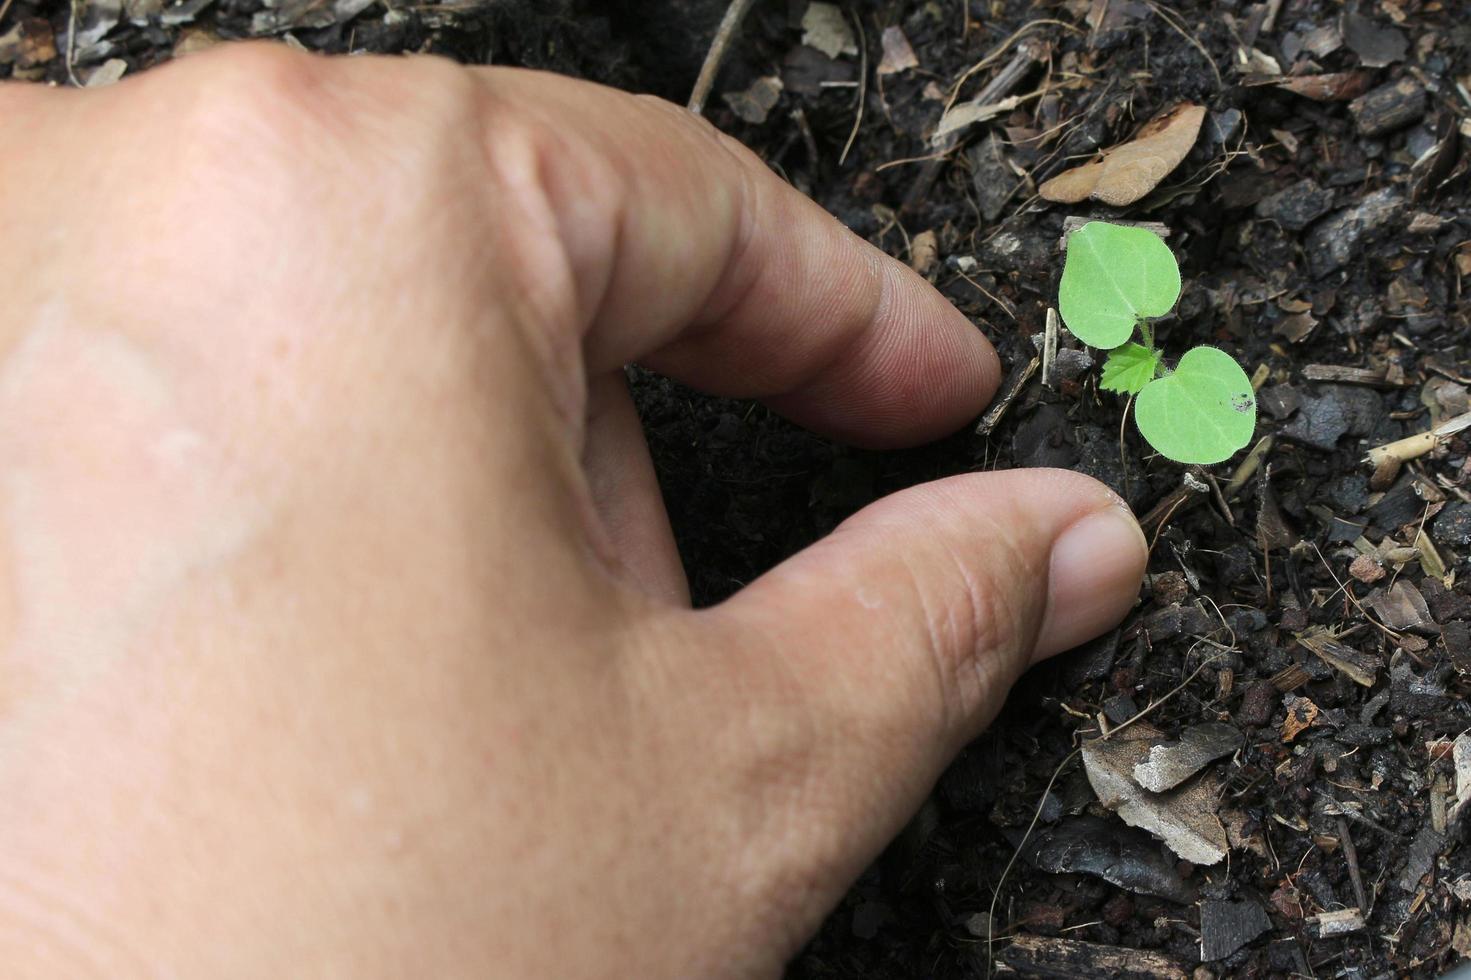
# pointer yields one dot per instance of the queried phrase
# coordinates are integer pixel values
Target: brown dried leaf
(1130, 170)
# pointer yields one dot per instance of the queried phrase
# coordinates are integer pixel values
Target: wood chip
(1045, 956)
(1301, 713)
(1362, 668)
(1127, 172)
(1335, 923)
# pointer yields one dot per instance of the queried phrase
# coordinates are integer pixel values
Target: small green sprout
(1116, 278)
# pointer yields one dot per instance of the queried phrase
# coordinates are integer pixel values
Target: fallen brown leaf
(1127, 172)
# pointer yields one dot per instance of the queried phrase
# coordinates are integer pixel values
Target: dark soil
(1312, 235)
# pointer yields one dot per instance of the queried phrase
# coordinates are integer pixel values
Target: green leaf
(1202, 413)
(1129, 368)
(1114, 276)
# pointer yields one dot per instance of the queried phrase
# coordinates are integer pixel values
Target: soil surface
(1302, 647)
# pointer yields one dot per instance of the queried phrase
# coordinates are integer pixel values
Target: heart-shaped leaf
(1202, 413)
(1114, 276)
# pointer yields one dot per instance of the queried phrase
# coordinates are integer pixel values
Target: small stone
(1376, 44)
(1334, 411)
(1366, 569)
(991, 176)
(1452, 526)
(1170, 587)
(1280, 401)
(1335, 240)
(1297, 205)
(825, 28)
(1070, 364)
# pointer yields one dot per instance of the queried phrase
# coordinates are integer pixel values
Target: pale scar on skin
(110, 494)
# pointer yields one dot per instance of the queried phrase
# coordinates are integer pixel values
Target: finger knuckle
(977, 632)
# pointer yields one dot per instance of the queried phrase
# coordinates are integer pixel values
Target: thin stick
(1123, 462)
(862, 88)
(5, 8)
(71, 44)
(723, 34)
(1351, 856)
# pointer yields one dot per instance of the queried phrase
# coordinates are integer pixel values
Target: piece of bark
(1388, 107)
(1225, 927)
(1340, 374)
(1335, 923)
(1362, 668)
(1042, 956)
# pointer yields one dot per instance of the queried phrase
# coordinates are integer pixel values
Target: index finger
(687, 254)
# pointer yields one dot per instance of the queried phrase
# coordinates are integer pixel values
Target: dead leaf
(1402, 607)
(1184, 818)
(898, 55)
(1127, 172)
(969, 113)
(825, 29)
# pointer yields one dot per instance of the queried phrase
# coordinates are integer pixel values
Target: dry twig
(723, 35)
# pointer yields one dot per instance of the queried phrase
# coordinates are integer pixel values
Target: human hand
(344, 633)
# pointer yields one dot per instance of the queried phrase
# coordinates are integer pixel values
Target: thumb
(896, 637)
(922, 609)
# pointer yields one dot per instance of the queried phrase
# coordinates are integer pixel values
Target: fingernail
(1097, 566)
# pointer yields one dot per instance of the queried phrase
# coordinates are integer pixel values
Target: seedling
(1115, 281)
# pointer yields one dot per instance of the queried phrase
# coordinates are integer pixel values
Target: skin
(341, 628)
